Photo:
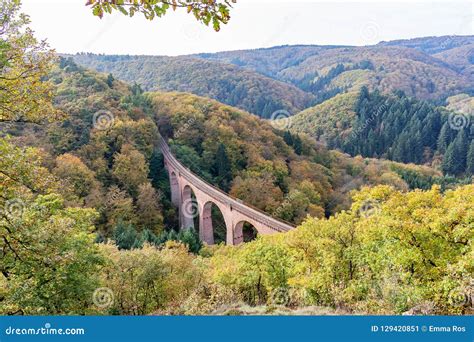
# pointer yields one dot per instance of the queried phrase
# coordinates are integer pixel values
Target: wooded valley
(367, 151)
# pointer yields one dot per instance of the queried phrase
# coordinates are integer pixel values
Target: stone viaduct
(184, 183)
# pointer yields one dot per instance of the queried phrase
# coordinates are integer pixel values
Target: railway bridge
(184, 183)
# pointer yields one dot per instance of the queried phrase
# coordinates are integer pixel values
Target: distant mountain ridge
(431, 45)
(224, 82)
(296, 77)
(267, 61)
(395, 63)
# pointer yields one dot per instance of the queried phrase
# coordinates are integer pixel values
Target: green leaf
(123, 10)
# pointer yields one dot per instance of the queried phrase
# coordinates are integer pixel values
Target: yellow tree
(130, 168)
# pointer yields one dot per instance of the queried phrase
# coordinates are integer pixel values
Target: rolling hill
(284, 174)
(226, 83)
(462, 58)
(428, 68)
(267, 61)
(385, 69)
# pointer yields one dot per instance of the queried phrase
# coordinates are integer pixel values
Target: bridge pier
(206, 231)
(238, 232)
(174, 184)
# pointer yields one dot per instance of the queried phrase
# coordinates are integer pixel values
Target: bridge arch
(244, 231)
(211, 231)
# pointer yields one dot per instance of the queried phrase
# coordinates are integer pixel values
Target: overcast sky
(70, 27)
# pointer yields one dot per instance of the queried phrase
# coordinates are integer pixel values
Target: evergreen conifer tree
(288, 138)
(449, 161)
(222, 168)
(443, 138)
(470, 160)
(297, 144)
(110, 80)
(126, 236)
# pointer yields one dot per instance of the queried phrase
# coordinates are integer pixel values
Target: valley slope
(226, 83)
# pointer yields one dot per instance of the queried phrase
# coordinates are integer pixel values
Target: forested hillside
(428, 68)
(395, 127)
(226, 83)
(287, 175)
(268, 61)
(461, 58)
(283, 174)
(455, 51)
(382, 68)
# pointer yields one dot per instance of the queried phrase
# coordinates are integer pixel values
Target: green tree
(118, 207)
(74, 172)
(126, 236)
(288, 138)
(449, 165)
(462, 147)
(222, 168)
(149, 208)
(444, 138)
(190, 238)
(470, 160)
(454, 162)
(297, 144)
(49, 258)
(49, 261)
(110, 80)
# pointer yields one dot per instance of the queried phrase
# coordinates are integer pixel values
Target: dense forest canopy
(428, 68)
(87, 226)
(395, 127)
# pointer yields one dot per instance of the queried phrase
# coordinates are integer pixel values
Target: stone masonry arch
(206, 226)
(239, 232)
(188, 208)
